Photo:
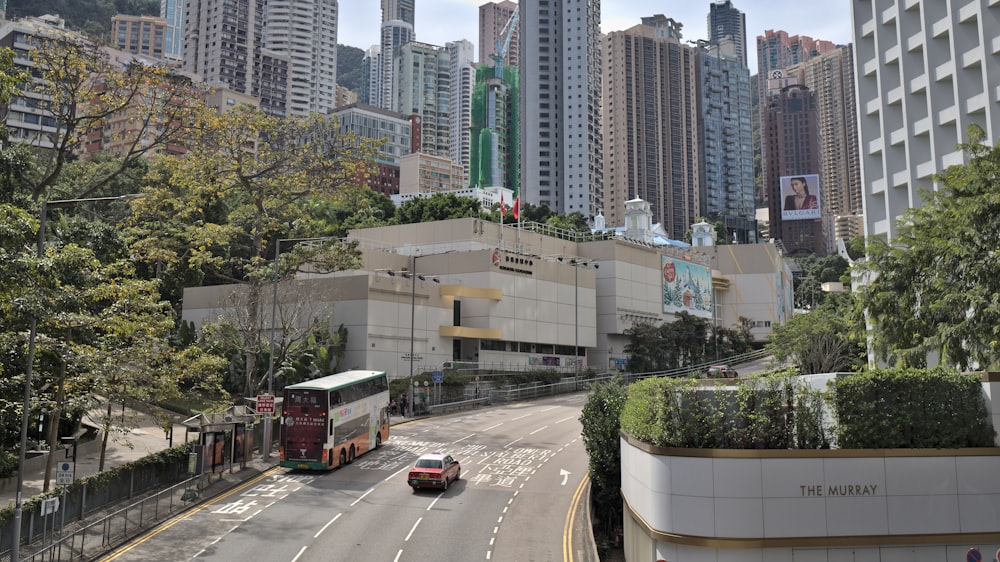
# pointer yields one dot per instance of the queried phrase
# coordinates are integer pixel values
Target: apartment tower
(727, 140)
(462, 72)
(139, 35)
(224, 45)
(776, 52)
(305, 31)
(726, 22)
(651, 113)
(561, 144)
(926, 71)
(173, 41)
(791, 128)
(830, 77)
(425, 88)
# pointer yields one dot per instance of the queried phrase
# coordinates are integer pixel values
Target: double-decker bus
(327, 422)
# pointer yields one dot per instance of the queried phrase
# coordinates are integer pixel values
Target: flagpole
(501, 217)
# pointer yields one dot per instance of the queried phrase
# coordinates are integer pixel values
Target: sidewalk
(147, 438)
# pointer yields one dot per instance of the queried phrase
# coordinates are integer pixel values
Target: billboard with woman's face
(801, 197)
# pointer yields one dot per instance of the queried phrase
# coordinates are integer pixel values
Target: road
(522, 466)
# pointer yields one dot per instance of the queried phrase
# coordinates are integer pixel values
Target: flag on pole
(516, 207)
(503, 206)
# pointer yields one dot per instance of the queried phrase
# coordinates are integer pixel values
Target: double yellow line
(574, 505)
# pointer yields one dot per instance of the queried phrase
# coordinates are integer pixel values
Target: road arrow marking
(565, 474)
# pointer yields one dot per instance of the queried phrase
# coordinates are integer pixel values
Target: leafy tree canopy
(437, 207)
(936, 287)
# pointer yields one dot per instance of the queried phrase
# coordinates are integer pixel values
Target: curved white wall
(717, 501)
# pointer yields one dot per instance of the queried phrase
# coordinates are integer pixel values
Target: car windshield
(428, 463)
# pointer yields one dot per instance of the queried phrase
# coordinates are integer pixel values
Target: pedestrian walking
(403, 405)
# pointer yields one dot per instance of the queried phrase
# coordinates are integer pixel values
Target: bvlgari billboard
(801, 197)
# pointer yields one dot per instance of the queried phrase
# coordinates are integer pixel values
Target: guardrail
(94, 540)
(531, 391)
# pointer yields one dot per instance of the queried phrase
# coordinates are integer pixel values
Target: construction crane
(503, 41)
(495, 87)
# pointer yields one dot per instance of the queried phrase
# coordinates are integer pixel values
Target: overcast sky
(441, 21)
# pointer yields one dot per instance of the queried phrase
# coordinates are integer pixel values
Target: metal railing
(93, 540)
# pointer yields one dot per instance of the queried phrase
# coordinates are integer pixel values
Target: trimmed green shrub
(910, 408)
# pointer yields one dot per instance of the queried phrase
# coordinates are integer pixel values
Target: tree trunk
(104, 439)
(54, 420)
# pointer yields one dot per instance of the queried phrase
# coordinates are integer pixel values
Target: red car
(434, 470)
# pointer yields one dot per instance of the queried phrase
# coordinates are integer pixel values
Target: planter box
(753, 501)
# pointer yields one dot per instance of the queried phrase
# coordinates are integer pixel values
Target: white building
(515, 300)
(305, 31)
(926, 70)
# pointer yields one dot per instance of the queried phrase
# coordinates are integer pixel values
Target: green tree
(601, 421)
(437, 207)
(137, 110)
(825, 340)
(815, 271)
(248, 180)
(573, 222)
(936, 287)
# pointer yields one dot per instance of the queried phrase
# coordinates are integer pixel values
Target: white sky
(440, 21)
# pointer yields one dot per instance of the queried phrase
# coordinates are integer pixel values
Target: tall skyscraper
(173, 44)
(830, 77)
(493, 17)
(395, 34)
(726, 22)
(370, 76)
(776, 51)
(651, 99)
(926, 70)
(224, 45)
(795, 199)
(425, 90)
(305, 31)
(462, 71)
(401, 10)
(727, 143)
(561, 144)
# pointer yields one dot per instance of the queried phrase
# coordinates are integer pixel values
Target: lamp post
(32, 336)
(577, 264)
(413, 275)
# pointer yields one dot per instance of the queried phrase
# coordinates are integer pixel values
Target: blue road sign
(973, 555)
(437, 376)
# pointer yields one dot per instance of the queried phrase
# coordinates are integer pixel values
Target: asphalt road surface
(522, 467)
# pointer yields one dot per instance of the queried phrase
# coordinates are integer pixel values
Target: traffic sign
(265, 403)
(974, 555)
(437, 376)
(64, 473)
(50, 506)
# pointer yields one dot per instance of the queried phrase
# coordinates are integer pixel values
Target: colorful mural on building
(687, 287)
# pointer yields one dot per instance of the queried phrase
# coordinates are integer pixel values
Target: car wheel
(343, 458)
(350, 456)
(458, 475)
(378, 440)
(444, 487)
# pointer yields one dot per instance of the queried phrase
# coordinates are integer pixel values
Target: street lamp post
(413, 319)
(577, 264)
(32, 336)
